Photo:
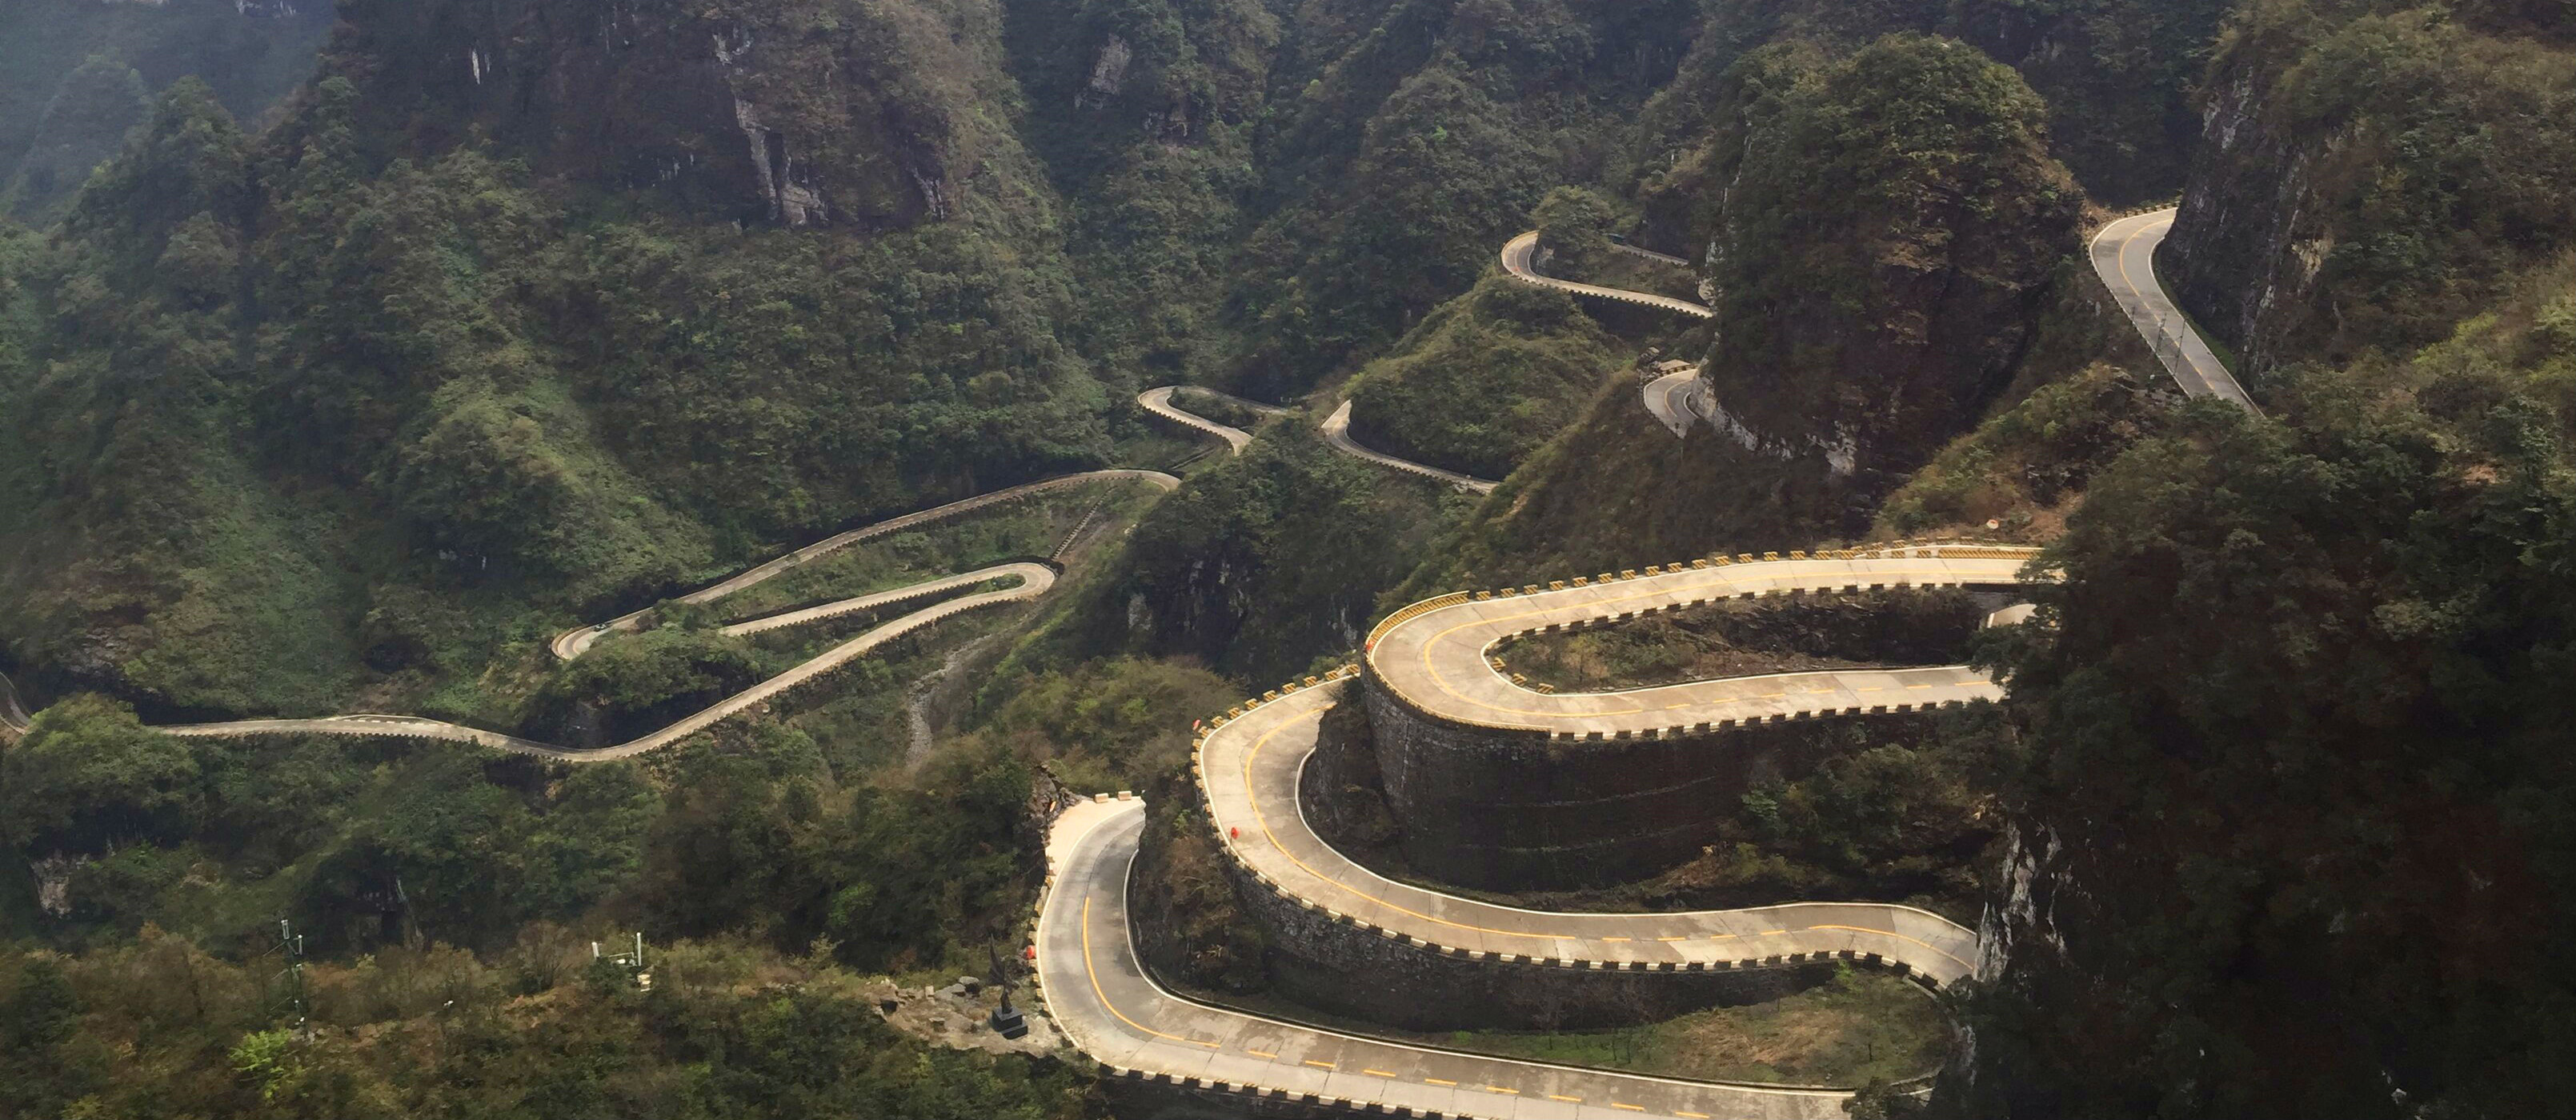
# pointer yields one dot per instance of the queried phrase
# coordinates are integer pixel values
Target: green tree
(81, 126)
(88, 776)
(1574, 228)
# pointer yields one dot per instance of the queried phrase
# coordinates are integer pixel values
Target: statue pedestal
(1008, 1022)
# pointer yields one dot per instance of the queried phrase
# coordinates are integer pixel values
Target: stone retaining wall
(1347, 969)
(1498, 809)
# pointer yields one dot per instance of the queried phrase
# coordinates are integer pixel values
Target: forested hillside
(2307, 664)
(75, 76)
(360, 360)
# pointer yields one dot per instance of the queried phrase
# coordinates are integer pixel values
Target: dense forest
(350, 354)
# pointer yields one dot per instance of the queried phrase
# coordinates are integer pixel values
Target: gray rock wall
(1503, 810)
(1347, 969)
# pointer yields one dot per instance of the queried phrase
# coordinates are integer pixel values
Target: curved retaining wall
(1315, 955)
(1516, 810)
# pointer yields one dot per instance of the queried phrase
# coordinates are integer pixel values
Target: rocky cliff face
(1879, 232)
(797, 112)
(2369, 182)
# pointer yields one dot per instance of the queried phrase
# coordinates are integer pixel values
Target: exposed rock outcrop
(864, 117)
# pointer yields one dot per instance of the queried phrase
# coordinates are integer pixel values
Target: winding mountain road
(571, 643)
(1100, 995)
(1028, 581)
(1678, 399)
(2124, 255)
(1337, 432)
(1035, 580)
(1159, 402)
(1519, 252)
(1434, 657)
(1671, 400)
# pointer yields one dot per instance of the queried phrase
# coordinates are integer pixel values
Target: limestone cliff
(1879, 233)
(2368, 182)
(798, 112)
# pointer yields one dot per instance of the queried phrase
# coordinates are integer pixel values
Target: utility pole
(291, 945)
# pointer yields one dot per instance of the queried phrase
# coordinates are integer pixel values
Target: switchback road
(571, 643)
(1337, 432)
(1519, 251)
(1028, 581)
(1433, 654)
(1098, 992)
(1677, 399)
(1159, 402)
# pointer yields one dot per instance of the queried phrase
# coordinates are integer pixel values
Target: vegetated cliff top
(2374, 175)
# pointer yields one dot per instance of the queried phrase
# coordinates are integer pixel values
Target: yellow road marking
(1104, 996)
(1375, 1072)
(1500, 1089)
(1262, 821)
(1259, 1053)
(1437, 1081)
(1321, 1065)
(1568, 1100)
(1945, 567)
(1772, 933)
(1692, 1115)
(1614, 939)
(1629, 1107)
(1672, 939)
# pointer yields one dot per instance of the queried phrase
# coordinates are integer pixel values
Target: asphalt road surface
(2124, 254)
(1098, 993)
(1159, 402)
(1519, 251)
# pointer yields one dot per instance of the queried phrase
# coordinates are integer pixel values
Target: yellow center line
(1901, 937)
(1692, 1115)
(1500, 1089)
(1376, 1072)
(1772, 933)
(1259, 1053)
(1614, 939)
(1568, 1100)
(1262, 821)
(1629, 1107)
(1437, 1081)
(1672, 939)
(1947, 566)
(1087, 966)
(1321, 1065)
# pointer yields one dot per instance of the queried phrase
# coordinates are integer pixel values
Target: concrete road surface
(1435, 658)
(1677, 399)
(1098, 992)
(2124, 254)
(1337, 432)
(1518, 252)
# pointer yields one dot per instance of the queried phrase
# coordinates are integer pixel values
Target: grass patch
(1862, 1026)
(1747, 639)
